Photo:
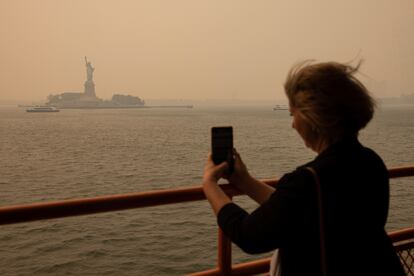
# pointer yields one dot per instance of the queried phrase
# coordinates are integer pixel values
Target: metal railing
(77, 207)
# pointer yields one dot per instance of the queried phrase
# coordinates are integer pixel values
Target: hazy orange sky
(193, 49)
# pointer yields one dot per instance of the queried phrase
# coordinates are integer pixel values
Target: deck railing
(403, 239)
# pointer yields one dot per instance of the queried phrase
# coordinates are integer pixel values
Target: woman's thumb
(222, 166)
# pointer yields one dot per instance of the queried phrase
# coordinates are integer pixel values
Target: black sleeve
(270, 224)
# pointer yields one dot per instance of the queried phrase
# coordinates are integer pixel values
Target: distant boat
(280, 107)
(42, 109)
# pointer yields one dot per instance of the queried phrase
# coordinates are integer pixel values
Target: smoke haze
(198, 50)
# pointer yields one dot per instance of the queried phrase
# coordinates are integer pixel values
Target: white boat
(280, 107)
(42, 109)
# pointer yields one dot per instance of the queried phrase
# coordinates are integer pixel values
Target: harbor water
(85, 153)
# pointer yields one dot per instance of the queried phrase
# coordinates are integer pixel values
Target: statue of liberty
(89, 70)
(89, 84)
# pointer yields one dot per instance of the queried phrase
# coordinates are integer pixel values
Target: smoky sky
(198, 49)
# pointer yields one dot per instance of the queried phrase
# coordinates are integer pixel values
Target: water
(84, 153)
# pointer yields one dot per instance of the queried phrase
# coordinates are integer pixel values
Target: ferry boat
(280, 107)
(42, 109)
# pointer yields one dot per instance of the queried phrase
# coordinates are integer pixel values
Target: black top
(355, 198)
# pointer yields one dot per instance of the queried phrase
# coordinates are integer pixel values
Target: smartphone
(222, 146)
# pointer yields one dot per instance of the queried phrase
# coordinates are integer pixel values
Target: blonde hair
(332, 101)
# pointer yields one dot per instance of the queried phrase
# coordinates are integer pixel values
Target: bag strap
(321, 219)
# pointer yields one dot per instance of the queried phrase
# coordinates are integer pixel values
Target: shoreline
(116, 107)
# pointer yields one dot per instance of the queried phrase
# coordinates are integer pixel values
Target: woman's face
(303, 128)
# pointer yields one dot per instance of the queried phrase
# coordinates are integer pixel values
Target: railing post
(224, 254)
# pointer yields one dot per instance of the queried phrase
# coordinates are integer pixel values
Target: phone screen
(222, 145)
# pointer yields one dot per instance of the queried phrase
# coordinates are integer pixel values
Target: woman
(329, 106)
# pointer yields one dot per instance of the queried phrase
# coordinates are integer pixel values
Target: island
(88, 98)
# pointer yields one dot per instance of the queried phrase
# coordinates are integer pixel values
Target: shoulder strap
(321, 219)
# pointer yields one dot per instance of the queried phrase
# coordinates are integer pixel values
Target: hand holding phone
(222, 146)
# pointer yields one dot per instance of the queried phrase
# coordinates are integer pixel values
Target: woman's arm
(251, 233)
(214, 194)
(278, 219)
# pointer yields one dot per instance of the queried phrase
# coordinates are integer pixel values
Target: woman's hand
(213, 172)
(240, 174)
(242, 180)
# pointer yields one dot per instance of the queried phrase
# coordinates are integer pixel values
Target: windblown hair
(332, 101)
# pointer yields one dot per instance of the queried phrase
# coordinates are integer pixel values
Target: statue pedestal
(90, 88)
